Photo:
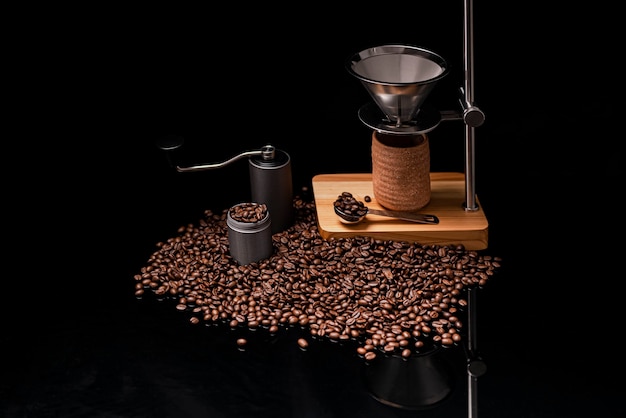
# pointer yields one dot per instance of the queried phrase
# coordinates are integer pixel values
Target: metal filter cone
(398, 77)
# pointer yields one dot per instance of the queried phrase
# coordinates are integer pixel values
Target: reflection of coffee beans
(386, 296)
(304, 344)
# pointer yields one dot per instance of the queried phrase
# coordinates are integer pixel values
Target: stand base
(457, 226)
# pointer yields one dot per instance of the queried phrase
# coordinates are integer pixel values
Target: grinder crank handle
(173, 142)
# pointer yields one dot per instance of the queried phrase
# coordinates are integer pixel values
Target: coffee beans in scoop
(349, 205)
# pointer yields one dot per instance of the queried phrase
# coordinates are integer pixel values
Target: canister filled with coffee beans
(249, 232)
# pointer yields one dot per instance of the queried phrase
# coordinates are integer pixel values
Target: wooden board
(456, 225)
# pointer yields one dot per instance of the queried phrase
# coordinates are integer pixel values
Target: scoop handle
(406, 216)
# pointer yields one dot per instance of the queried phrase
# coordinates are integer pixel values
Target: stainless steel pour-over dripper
(398, 78)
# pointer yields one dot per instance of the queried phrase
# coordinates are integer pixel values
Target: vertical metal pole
(470, 171)
(475, 365)
(468, 51)
(472, 383)
(472, 396)
(472, 117)
(470, 112)
(472, 315)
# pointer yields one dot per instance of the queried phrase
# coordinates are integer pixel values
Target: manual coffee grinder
(270, 177)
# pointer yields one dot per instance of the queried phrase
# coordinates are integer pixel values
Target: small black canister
(249, 232)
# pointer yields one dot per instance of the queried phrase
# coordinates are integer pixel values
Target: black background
(88, 195)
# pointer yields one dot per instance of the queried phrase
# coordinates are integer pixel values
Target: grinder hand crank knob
(169, 144)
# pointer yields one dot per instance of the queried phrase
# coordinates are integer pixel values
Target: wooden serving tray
(456, 225)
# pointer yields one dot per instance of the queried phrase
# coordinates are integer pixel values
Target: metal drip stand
(473, 117)
(393, 121)
(399, 78)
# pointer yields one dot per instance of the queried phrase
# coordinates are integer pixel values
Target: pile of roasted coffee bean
(388, 297)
